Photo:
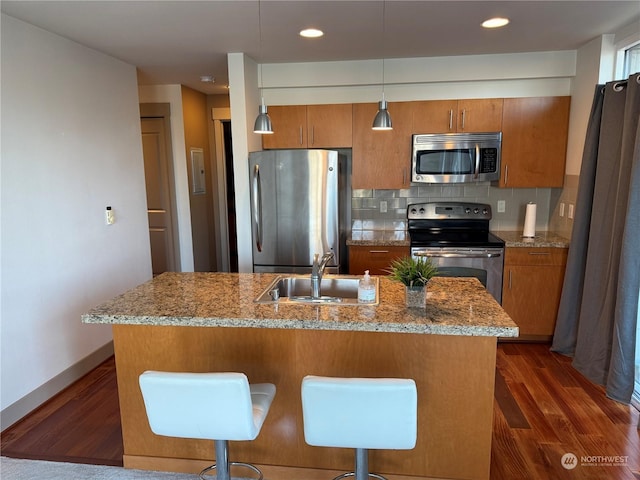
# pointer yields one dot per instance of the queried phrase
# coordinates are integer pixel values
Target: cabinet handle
(506, 174)
(404, 176)
(300, 134)
(451, 119)
(378, 251)
(509, 279)
(539, 253)
(464, 114)
(313, 136)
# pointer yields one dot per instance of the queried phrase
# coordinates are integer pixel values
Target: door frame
(163, 111)
(218, 115)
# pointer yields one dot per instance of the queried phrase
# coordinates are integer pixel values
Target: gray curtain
(598, 314)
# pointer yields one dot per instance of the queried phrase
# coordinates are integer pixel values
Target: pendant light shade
(263, 122)
(382, 121)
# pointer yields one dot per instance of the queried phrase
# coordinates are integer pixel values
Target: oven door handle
(456, 255)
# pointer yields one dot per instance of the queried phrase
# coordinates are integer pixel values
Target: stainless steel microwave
(456, 157)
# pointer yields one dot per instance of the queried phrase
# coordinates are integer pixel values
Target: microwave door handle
(475, 176)
(257, 206)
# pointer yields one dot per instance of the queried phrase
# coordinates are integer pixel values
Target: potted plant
(414, 274)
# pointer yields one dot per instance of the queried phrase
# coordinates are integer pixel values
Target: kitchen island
(201, 322)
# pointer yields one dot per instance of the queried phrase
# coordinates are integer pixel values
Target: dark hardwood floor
(544, 409)
(81, 424)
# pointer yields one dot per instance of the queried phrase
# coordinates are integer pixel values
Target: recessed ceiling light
(207, 79)
(311, 33)
(495, 22)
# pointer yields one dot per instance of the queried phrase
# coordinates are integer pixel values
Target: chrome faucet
(317, 271)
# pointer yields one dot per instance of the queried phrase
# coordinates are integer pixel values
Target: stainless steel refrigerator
(300, 206)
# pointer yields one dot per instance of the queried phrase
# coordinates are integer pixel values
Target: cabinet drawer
(374, 258)
(535, 256)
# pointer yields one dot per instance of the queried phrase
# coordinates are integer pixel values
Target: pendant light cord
(384, 8)
(260, 49)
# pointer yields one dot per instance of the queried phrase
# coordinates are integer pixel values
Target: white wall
(172, 94)
(71, 145)
(244, 100)
(594, 66)
(406, 79)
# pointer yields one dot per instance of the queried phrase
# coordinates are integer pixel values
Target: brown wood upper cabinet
(382, 158)
(534, 141)
(450, 116)
(310, 126)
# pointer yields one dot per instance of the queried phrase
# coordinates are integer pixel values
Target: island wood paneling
(454, 376)
(82, 424)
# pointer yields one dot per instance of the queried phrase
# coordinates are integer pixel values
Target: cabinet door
(381, 158)
(534, 141)
(329, 126)
(532, 287)
(289, 127)
(480, 115)
(449, 116)
(376, 259)
(435, 116)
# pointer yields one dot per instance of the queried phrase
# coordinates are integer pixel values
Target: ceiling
(176, 42)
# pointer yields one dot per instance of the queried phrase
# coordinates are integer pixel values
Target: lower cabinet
(376, 259)
(532, 286)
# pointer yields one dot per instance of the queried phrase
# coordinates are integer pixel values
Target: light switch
(570, 214)
(561, 209)
(109, 216)
(383, 206)
(501, 206)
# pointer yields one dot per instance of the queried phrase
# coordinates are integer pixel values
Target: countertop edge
(287, 324)
(512, 239)
(546, 239)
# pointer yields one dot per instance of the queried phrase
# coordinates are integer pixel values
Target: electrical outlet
(571, 211)
(383, 206)
(561, 209)
(501, 206)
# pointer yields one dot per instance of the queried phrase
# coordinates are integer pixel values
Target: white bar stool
(360, 413)
(211, 406)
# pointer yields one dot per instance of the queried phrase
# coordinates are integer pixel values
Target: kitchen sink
(334, 289)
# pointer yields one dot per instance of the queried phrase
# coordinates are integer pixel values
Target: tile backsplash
(366, 211)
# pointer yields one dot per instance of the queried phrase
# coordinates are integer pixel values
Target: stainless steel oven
(456, 237)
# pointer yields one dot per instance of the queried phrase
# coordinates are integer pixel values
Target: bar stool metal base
(362, 467)
(222, 465)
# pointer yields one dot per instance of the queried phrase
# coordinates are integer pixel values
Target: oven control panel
(449, 210)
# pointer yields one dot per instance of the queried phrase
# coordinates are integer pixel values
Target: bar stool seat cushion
(205, 405)
(361, 413)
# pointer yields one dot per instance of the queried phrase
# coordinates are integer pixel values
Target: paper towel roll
(530, 221)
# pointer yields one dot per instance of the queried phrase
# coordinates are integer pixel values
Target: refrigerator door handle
(257, 206)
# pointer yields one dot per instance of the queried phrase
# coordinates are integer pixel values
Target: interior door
(156, 172)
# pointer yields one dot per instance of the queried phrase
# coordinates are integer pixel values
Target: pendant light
(382, 120)
(262, 124)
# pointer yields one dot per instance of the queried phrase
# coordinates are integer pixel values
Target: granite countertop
(400, 238)
(381, 238)
(542, 239)
(455, 306)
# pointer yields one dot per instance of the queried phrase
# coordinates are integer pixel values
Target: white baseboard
(33, 400)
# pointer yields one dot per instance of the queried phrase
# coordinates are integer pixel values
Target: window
(631, 60)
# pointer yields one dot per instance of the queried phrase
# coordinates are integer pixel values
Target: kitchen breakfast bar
(208, 322)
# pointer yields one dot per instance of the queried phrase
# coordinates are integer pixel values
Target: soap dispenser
(366, 289)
